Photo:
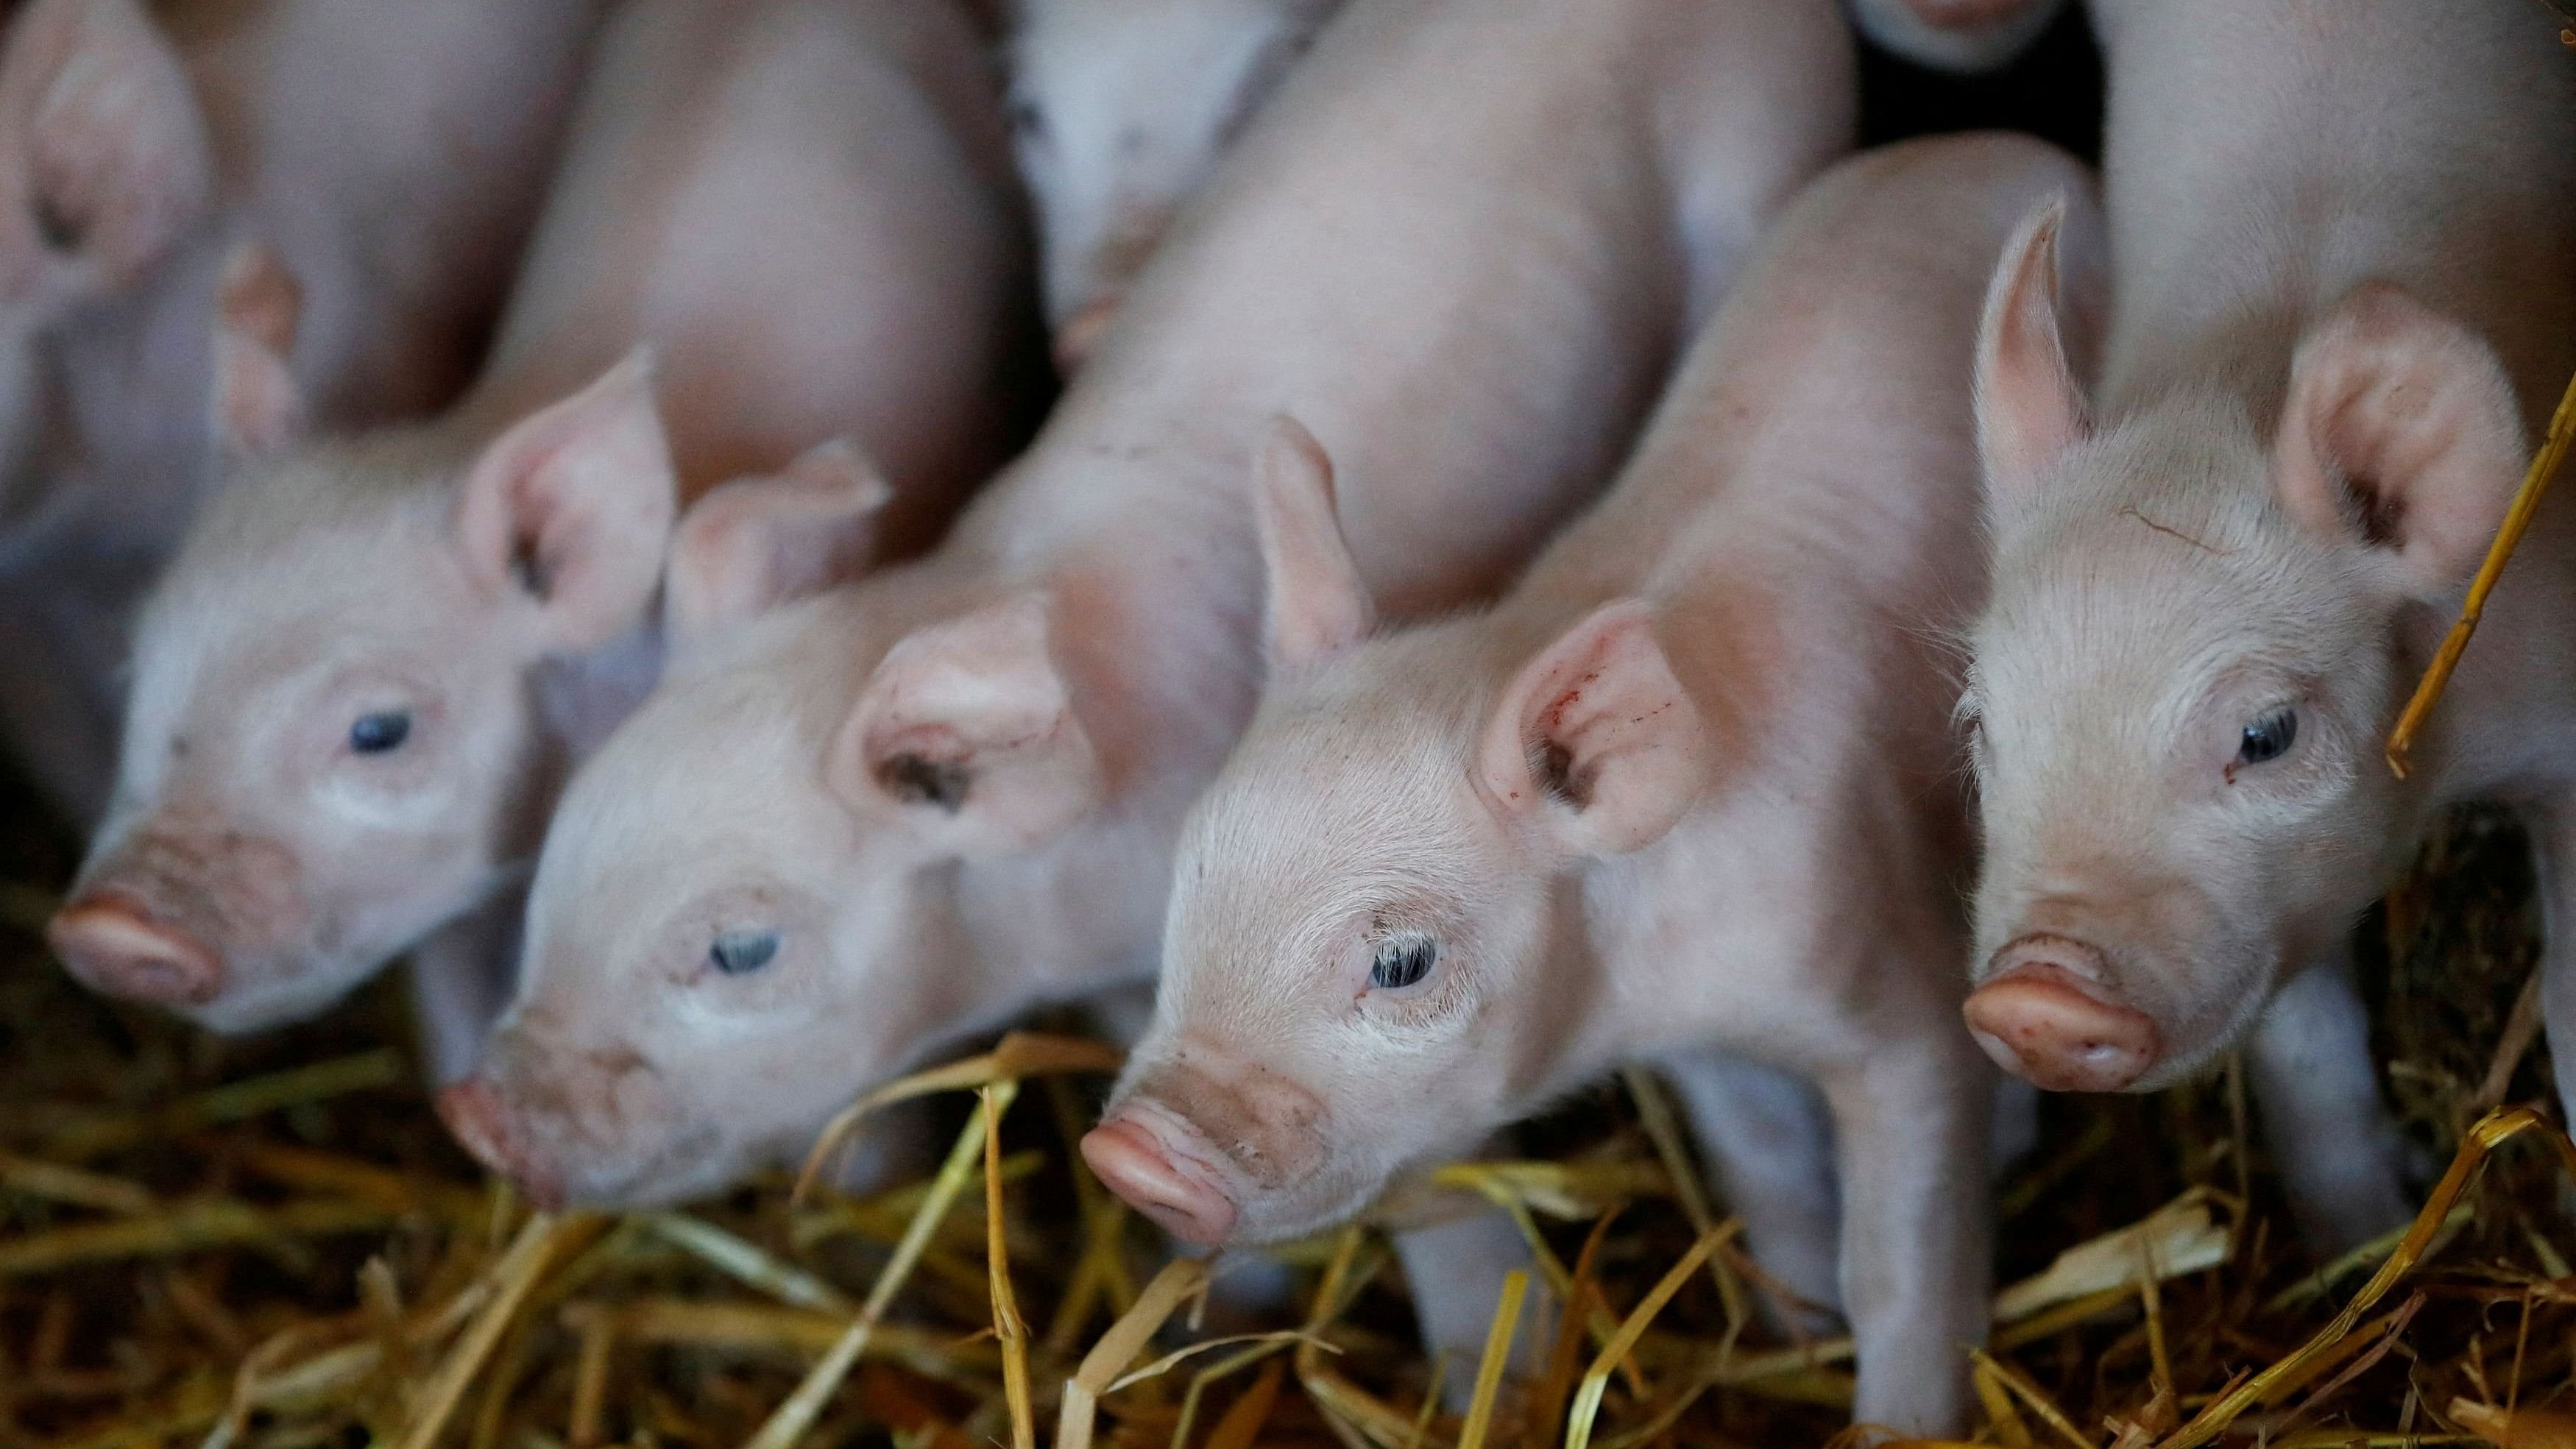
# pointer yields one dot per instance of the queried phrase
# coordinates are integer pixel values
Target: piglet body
(1680, 793)
(2345, 239)
(391, 151)
(358, 689)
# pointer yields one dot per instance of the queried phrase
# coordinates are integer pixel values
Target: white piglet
(2345, 244)
(363, 680)
(1689, 788)
(1120, 110)
(391, 151)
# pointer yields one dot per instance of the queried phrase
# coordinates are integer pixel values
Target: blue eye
(739, 953)
(2269, 738)
(381, 732)
(1402, 962)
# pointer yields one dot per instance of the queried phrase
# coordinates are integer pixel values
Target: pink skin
(1966, 36)
(950, 791)
(2219, 575)
(1682, 796)
(343, 132)
(485, 582)
(1119, 115)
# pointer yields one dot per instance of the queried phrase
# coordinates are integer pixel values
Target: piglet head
(1118, 114)
(333, 739)
(2189, 658)
(1365, 965)
(748, 893)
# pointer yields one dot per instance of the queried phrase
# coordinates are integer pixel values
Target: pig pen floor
(270, 1243)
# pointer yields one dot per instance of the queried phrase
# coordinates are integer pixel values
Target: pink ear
(2030, 409)
(966, 734)
(258, 407)
(2401, 433)
(572, 509)
(1317, 603)
(116, 162)
(756, 543)
(1596, 741)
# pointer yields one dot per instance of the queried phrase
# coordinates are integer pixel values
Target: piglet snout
(115, 946)
(2043, 1015)
(1965, 14)
(1154, 1163)
(481, 1120)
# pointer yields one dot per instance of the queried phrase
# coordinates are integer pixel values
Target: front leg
(2309, 1065)
(1454, 1271)
(462, 975)
(1764, 1136)
(1910, 1127)
(2553, 860)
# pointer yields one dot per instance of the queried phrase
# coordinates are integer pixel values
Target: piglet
(360, 685)
(1688, 789)
(391, 151)
(1119, 113)
(2345, 237)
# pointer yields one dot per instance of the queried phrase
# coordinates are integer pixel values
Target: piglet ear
(112, 161)
(571, 510)
(258, 408)
(2030, 410)
(757, 543)
(1596, 743)
(1317, 604)
(966, 734)
(2402, 434)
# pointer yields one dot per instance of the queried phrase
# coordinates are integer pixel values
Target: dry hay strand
(270, 1245)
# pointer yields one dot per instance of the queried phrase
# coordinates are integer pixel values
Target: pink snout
(1144, 1161)
(115, 946)
(1966, 14)
(482, 1121)
(2045, 1016)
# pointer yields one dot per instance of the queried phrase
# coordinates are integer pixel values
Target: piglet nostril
(480, 1119)
(2046, 1016)
(116, 947)
(1167, 1186)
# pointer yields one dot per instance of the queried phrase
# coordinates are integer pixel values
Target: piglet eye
(381, 732)
(2269, 738)
(739, 953)
(1402, 962)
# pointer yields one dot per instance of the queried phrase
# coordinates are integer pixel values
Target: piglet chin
(2046, 1023)
(1160, 1179)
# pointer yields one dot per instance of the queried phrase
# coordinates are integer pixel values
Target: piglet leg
(1765, 1138)
(1455, 1272)
(461, 978)
(1910, 1127)
(2309, 1065)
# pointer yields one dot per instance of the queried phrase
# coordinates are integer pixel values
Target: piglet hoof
(1165, 1185)
(2044, 1022)
(481, 1121)
(116, 948)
